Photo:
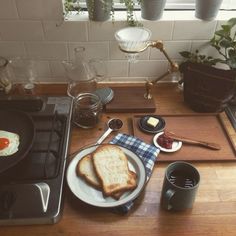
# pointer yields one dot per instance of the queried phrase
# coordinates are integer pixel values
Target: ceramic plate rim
(179, 144)
(73, 179)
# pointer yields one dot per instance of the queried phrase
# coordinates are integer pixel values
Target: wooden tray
(130, 100)
(206, 127)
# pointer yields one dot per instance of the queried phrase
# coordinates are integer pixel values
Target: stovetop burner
(31, 192)
(43, 161)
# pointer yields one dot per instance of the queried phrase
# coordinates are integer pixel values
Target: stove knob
(7, 200)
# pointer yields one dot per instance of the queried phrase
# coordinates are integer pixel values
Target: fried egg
(9, 143)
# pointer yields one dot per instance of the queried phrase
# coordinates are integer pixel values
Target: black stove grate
(32, 192)
(44, 159)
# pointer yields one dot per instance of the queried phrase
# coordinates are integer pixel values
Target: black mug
(180, 186)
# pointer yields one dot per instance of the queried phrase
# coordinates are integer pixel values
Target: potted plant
(71, 5)
(102, 10)
(130, 8)
(152, 9)
(206, 87)
(99, 10)
(207, 9)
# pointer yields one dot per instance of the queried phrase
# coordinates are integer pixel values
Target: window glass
(170, 4)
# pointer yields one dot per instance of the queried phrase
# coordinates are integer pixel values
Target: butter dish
(144, 126)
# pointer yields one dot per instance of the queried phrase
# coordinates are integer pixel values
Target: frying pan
(22, 124)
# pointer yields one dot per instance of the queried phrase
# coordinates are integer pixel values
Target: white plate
(94, 197)
(176, 145)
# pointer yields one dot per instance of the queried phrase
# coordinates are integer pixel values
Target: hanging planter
(99, 10)
(207, 9)
(152, 9)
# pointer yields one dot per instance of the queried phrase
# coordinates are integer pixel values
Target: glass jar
(87, 110)
(75, 88)
(25, 74)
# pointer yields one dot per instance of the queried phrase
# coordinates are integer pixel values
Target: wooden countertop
(213, 214)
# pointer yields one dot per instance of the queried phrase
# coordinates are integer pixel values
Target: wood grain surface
(205, 127)
(126, 101)
(213, 213)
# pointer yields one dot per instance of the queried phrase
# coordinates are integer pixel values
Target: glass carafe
(83, 74)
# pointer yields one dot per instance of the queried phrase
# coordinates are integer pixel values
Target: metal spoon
(113, 125)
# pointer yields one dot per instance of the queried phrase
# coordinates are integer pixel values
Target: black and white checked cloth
(148, 153)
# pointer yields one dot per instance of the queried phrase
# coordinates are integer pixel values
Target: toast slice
(111, 166)
(85, 169)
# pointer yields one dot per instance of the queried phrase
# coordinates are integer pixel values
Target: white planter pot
(207, 9)
(98, 10)
(152, 9)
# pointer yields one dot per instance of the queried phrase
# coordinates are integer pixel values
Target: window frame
(188, 5)
(170, 5)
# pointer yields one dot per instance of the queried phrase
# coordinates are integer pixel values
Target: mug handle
(167, 197)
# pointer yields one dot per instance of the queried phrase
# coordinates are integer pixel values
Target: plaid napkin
(148, 153)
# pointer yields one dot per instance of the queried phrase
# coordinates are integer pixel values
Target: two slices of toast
(107, 169)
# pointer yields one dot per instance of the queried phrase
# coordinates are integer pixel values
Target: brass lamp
(133, 40)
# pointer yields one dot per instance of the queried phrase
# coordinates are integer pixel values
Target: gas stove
(31, 192)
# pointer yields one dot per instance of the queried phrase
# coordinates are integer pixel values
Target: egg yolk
(4, 142)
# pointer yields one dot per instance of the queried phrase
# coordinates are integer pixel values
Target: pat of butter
(153, 122)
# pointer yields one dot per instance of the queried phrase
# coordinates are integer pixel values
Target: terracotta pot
(207, 89)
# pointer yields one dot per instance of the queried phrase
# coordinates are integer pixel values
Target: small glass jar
(87, 110)
(25, 75)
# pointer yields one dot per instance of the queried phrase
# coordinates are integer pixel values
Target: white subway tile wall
(36, 29)
(47, 50)
(39, 9)
(98, 50)
(21, 30)
(8, 10)
(70, 31)
(193, 30)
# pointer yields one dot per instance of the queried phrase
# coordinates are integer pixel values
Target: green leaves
(224, 41)
(232, 22)
(71, 5)
(222, 33)
(198, 58)
(232, 56)
(185, 54)
(130, 4)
